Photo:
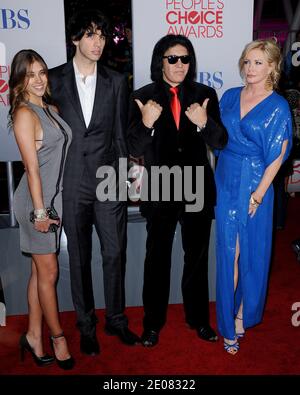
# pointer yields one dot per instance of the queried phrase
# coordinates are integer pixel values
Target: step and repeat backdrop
(39, 25)
(218, 29)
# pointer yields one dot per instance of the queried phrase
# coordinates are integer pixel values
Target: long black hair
(166, 42)
(86, 20)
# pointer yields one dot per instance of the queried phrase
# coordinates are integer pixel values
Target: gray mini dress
(51, 157)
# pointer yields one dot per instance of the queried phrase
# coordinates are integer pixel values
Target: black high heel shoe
(65, 364)
(25, 346)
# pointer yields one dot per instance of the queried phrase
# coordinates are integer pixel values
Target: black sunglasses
(173, 59)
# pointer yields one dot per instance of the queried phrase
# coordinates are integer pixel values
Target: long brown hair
(17, 81)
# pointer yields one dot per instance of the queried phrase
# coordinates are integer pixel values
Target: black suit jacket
(103, 141)
(171, 147)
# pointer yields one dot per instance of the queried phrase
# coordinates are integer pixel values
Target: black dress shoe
(206, 333)
(150, 338)
(124, 334)
(89, 345)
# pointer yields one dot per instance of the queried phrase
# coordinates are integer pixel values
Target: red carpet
(271, 348)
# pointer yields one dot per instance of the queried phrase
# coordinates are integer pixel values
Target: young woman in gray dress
(43, 139)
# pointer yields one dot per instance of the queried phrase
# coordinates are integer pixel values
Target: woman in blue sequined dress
(259, 126)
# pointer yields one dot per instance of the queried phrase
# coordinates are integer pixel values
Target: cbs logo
(212, 79)
(11, 19)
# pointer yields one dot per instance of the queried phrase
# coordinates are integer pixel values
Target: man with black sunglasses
(170, 122)
(173, 59)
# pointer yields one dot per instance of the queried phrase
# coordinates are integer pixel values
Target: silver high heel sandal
(232, 348)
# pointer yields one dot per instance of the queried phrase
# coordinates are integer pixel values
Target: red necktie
(175, 105)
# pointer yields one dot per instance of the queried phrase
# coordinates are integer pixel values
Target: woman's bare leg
(231, 350)
(239, 327)
(35, 314)
(47, 270)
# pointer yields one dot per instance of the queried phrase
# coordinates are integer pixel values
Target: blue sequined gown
(255, 141)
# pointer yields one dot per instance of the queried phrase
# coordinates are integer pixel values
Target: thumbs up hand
(150, 112)
(197, 114)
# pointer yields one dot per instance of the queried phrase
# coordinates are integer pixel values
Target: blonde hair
(273, 55)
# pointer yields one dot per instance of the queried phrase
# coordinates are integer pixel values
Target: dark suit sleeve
(214, 134)
(121, 113)
(138, 135)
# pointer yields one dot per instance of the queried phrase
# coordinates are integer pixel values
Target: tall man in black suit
(170, 122)
(92, 100)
